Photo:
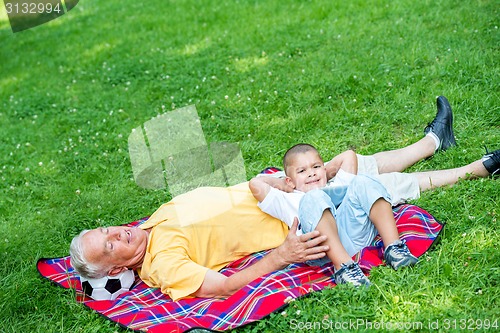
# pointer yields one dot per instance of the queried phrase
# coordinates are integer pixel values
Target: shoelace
(353, 273)
(401, 249)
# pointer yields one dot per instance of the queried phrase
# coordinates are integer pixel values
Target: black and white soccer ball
(109, 287)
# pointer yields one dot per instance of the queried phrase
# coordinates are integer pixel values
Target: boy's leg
(366, 210)
(439, 136)
(317, 212)
(382, 217)
(337, 253)
(396, 253)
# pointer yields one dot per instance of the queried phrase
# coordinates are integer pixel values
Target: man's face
(306, 172)
(115, 247)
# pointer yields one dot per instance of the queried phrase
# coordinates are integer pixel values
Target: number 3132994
(32, 8)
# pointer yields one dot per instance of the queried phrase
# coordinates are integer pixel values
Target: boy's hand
(346, 161)
(260, 186)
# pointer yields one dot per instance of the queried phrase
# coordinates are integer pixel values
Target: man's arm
(260, 186)
(346, 161)
(294, 249)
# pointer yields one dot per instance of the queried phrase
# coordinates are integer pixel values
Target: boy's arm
(346, 161)
(260, 186)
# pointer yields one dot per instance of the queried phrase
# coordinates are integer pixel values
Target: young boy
(349, 211)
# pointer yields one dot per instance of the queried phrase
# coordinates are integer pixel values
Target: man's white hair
(80, 263)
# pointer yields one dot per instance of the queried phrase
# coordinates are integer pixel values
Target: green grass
(337, 74)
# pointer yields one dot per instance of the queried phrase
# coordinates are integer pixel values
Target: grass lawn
(264, 74)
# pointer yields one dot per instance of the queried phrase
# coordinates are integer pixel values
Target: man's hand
(293, 250)
(301, 248)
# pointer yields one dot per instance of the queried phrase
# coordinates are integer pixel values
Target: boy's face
(306, 172)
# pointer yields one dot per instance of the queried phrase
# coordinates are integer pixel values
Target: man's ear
(116, 270)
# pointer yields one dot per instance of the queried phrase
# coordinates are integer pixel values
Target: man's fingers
(312, 242)
(295, 224)
(310, 235)
(316, 249)
(315, 256)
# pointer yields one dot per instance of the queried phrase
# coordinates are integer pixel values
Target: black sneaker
(351, 273)
(398, 255)
(442, 125)
(491, 162)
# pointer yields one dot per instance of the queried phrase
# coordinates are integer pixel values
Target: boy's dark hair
(299, 148)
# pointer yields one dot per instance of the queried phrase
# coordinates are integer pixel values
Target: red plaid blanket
(148, 310)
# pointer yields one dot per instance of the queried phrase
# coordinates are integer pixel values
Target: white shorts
(402, 187)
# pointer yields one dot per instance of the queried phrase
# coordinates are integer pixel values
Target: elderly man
(184, 244)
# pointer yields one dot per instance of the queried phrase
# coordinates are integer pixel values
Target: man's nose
(115, 234)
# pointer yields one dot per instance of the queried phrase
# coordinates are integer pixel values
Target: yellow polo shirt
(204, 229)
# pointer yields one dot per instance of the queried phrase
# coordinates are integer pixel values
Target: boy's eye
(300, 171)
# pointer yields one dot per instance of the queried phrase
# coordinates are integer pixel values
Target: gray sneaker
(398, 255)
(351, 273)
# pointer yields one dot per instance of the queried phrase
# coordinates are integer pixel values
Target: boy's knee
(314, 196)
(363, 182)
(363, 185)
(311, 208)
